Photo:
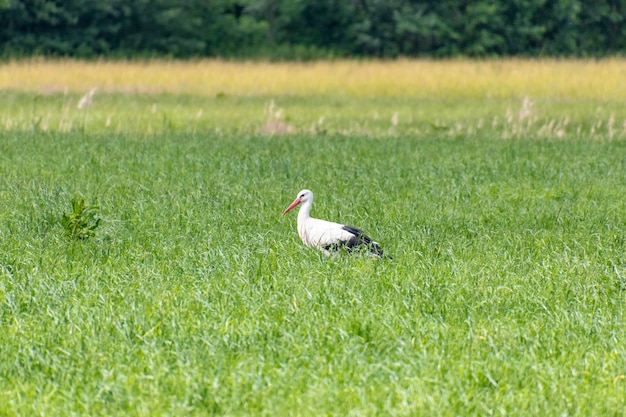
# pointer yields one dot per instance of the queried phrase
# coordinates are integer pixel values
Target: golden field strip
(507, 98)
(576, 79)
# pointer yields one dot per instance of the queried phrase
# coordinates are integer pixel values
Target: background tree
(303, 29)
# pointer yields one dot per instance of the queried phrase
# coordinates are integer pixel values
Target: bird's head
(304, 196)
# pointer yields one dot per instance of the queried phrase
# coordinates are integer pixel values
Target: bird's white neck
(305, 210)
(303, 220)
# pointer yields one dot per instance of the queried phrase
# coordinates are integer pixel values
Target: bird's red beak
(292, 205)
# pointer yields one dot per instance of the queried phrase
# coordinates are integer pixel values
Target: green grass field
(505, 218)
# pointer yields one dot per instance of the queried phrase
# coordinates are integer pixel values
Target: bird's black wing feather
(358, 239)
(358, 234)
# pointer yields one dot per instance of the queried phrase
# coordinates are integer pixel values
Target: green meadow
(178, 288)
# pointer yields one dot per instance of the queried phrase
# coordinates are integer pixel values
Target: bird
(328, 236)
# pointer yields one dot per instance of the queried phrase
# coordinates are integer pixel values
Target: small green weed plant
(82, 222)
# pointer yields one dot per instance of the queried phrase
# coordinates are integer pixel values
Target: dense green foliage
(193, 296)
(312, 28)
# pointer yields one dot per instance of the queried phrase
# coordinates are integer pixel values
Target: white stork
(328, 236)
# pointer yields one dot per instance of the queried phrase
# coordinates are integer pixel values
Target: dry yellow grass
(603, 79)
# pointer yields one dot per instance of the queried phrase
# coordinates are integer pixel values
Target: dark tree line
(302, 29)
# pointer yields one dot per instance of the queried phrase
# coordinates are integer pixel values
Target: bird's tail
(375, 249)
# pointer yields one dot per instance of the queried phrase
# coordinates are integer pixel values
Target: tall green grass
(437, 116)
(505, 295)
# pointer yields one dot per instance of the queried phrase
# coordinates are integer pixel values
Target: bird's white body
(319, 233)
(325, 235)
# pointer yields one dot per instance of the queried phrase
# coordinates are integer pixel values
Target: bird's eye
(301, 196)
